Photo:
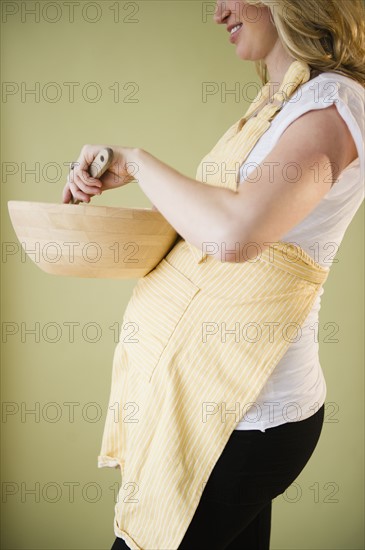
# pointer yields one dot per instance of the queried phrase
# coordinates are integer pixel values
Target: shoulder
(328, 87)
(323, 91)
(326, 115)
(319, 134)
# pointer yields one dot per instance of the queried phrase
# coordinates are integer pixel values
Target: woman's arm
(280, 193)
(308, 158)
(197, 211)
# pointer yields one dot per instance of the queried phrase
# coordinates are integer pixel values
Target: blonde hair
(328, 35)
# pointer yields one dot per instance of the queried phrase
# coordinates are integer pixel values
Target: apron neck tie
(221, 166)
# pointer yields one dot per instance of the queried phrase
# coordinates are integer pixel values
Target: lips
(235, 30)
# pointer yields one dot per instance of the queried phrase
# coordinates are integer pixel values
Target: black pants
(234, 512)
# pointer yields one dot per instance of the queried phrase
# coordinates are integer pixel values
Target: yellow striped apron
(199, 339)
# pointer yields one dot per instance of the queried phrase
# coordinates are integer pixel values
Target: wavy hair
(328, 35)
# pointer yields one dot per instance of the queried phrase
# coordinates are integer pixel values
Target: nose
(221, 12)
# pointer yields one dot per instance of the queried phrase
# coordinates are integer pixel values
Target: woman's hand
(82, 186)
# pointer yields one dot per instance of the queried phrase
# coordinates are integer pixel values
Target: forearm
(198, 212)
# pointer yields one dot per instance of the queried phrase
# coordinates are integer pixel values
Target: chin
(248, 54)
(245, 55)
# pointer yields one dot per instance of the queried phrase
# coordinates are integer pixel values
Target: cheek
(258, 38)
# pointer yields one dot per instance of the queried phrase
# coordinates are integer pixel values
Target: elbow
(227, 246)
(231, 239)
(233, 242)
(236, 246)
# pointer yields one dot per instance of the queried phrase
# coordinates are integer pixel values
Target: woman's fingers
(77, 189)
(66, 194)
(81, 185)
(80, 190)
(85, 182)
(72, 191)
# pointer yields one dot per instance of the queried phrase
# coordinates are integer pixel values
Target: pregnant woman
(217, 404)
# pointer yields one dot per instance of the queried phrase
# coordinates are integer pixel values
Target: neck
(277, 62)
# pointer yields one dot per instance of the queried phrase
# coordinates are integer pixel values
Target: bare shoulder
(321, 132)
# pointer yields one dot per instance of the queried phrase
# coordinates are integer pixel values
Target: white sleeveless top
(297, 388)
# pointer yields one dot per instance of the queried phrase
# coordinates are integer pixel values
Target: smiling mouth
(236, 29)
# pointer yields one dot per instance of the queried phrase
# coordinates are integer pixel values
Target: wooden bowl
(84, 240)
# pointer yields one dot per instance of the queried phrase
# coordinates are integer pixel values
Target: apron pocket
(158, 302)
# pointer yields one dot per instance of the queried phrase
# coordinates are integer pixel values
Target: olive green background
(167, 50)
